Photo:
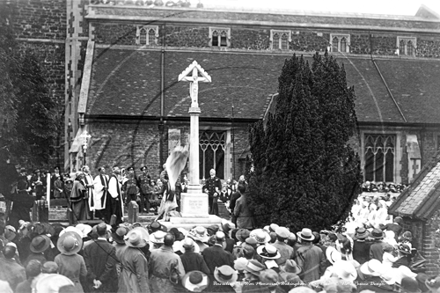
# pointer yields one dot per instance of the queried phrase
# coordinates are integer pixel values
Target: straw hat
(372, 268)
(306, 234)
(39, 244)
(188, 242)
(332, 254)
(84, 229)
(273, 227)
(268, 251)
(135, 238)
(69, 243)
(225, 274)
(53, 283)
(199, 233)
(260, 235)
(345, 270)
(291, 267)
(195, 281)
(254, 267)
(282, 232)
(157, 237)
(240, 263)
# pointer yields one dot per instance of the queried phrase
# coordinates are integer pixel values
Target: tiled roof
(127, 82)
(423, 197)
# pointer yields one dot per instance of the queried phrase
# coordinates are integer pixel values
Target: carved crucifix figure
(191, 74)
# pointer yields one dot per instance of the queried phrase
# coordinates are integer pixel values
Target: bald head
(168, 240)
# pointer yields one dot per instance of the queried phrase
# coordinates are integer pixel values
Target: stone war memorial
(194, 203)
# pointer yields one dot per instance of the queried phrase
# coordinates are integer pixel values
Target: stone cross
(194, 74)
(191, 74)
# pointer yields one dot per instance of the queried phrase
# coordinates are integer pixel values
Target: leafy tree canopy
(305, 172)
(27, 124)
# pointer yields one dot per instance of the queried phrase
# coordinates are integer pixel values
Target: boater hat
(361, 233)
(306, 234)
(69, 243)
(268, 252)
(199, 233)
(254, 267)
(195, 281)
(260, 235)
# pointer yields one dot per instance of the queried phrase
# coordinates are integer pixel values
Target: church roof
(422, 198)
(127, 82)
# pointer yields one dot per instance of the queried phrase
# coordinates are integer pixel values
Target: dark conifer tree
(305, 172)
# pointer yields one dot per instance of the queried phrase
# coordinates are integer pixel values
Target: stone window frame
(280, 33)
(219, 31)
(384, 149)
(340, 37)
(146, 29)
(407, 50)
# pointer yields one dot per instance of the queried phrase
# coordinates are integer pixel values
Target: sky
(390, 7)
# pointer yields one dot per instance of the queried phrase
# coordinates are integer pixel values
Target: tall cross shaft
(191, 74)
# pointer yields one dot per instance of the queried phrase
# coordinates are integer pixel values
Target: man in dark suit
(216, 256)
(212, 186)
(100, 260)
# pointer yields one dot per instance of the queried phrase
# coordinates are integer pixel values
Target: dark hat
(361, 233)
(50, 267)
(398, 220)
(226, 227)
(212, 229)
(410, 285)
(195, 281)
(69, 243)
(377, 234)
(118, 236)
(144, 167)
(39, 244)
(22, 170)
(242, 234)
(177, 234)
(404, 248)
(252, 242)
(156, 226)
(130, 169)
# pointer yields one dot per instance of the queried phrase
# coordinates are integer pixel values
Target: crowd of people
(365, 254)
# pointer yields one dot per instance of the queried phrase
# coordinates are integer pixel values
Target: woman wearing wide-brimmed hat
(134, 272)
(70, 263)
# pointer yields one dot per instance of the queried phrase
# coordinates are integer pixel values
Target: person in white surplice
(101, 191)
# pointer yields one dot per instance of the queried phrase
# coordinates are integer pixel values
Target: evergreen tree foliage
(27, 111)
(305, 172)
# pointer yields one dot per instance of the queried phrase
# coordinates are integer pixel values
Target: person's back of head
(9, 251)
(101, 229)
(241, 188)
(50, 267)
(168, 240)
(33, 268)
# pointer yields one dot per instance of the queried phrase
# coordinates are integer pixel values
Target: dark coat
(100, 260)
(23, 202)
(193, 261)
(216, 256)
